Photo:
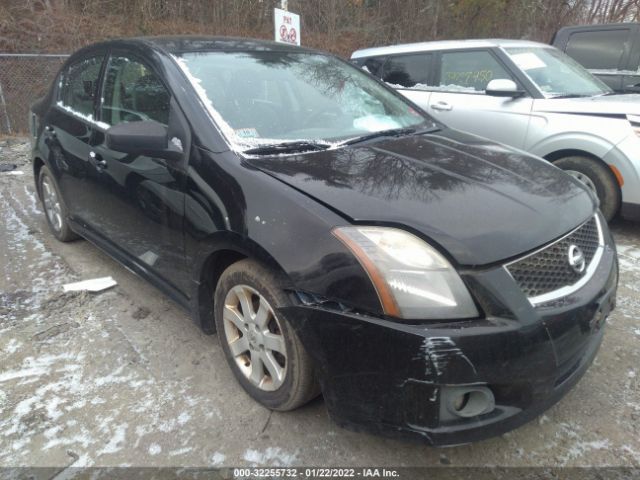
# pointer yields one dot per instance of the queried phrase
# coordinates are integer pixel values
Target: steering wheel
(265, 116)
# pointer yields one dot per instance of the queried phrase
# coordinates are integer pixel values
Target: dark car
(428, 282)
(609, 51)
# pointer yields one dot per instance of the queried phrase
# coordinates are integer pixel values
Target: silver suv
(530, 96)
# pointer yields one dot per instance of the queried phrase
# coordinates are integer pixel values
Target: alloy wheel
(51, 204)
(254, 337)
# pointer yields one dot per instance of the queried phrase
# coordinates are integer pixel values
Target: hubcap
(51, 204)
(255, 339)
(584, 179)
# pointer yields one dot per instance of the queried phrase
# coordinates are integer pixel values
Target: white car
(530, 96)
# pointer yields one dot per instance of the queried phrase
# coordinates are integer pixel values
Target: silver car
(530, 96)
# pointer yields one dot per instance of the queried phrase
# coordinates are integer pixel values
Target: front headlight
(412, 279)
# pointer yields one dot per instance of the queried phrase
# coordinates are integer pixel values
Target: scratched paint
(439, 352)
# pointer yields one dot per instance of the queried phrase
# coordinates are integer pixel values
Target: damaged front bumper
(399, 379)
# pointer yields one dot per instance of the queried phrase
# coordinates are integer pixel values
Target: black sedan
(427, 282)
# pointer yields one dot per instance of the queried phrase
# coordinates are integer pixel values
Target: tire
(601, 178)
(297, 383)
(55, 211)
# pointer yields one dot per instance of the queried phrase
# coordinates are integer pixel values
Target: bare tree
(336, 25)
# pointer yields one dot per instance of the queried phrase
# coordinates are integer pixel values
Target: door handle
(97, 160)
(442, 106)
(50, 132)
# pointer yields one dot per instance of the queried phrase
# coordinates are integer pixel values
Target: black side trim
(602, 115)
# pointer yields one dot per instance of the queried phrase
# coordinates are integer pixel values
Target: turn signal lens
(634, 120)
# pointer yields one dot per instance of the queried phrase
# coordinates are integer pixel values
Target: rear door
(459, 99)
(139, 205)
(69, 130)
(410, 74)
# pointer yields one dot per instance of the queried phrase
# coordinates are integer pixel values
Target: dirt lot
(125, 378)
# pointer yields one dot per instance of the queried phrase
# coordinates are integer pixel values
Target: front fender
(588, 143)
(233, 206)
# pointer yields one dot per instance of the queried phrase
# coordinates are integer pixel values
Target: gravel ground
(125, 378)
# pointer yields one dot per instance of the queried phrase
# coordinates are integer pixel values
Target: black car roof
(192, 43)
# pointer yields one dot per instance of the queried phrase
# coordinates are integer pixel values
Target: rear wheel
(598, 178)
(54, 208)
(261, 347)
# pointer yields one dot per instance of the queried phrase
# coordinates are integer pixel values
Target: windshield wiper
(570, 95)
(394, 132)
(287, 147)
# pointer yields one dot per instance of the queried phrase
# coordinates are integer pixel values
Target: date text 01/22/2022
(363, 472)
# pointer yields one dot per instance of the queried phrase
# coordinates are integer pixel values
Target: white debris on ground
(91, 285)
(125, 378)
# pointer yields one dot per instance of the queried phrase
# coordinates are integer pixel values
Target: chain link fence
(23, 79)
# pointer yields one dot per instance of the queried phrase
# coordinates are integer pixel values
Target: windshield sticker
(471, 78)
(247, 132)
(528, 61)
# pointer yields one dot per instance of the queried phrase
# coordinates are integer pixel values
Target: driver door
(461, 102)
(139, 199)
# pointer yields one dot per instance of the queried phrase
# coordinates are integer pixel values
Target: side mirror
(503, 87)
(142, 138)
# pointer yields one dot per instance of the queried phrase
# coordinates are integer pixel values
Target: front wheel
(598, 178)
(261, 347)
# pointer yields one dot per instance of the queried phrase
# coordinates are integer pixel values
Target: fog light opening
(471, 402)
(460, 402)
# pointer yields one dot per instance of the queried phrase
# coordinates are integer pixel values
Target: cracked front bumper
(386, 377)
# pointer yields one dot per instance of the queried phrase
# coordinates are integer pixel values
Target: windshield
(556, 74)
(264, 98)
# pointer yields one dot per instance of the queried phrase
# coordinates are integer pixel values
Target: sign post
(287, 26)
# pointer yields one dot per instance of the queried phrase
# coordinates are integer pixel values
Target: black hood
(480, 201)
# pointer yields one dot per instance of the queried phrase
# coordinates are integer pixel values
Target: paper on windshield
(375, 123)
(528, 61)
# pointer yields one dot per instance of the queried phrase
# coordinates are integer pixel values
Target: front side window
(132, 92)
(79, 86)
(556, 74)
(408, 71)
(261, 97)
(470, 71)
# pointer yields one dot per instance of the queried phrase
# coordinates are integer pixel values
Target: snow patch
(579, 449)
(179, 451)
(273, 456)
(117, 440)
(88, 118)
(183, 418)
(12, 346)
(217, 459)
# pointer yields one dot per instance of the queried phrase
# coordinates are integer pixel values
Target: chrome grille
(548, 270)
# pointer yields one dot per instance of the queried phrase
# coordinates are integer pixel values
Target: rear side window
(598, 50)
(133, 92)
(80, 84)
(373, 65)
(408, 71)
(470, 71)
